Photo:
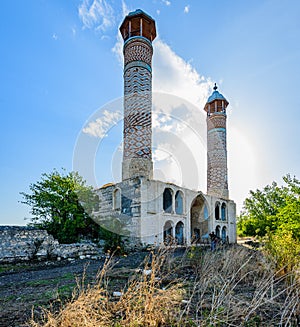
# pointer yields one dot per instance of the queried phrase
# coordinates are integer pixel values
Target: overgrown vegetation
(273, 214)
(114, 242)
(233, 287)
(62, 203)
(275, 208)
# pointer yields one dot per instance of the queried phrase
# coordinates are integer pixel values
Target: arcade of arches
(198, 214)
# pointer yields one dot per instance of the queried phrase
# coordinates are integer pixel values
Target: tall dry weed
(228, 287)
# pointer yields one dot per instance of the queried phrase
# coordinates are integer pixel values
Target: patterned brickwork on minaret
(217, 175)
(138, 31)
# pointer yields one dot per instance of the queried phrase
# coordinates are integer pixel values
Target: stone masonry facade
(151, 211)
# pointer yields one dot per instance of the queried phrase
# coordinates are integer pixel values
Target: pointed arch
(224, 234)
(168, 200)
(168, 232)
(217, 211)
(223, 211)
(179, 203)
(179, 233)
(199, 222)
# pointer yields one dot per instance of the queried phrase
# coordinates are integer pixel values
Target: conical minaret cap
(217, 101)
(216, 95)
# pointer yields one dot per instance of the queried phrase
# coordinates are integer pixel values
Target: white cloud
(54, 36)
(105, 37)
(173, 75)
(96, 14)
(100, 126)
(178, 122)
(178, 119)
(125, 9)
(158, 11)
(186, 9)
(118, 48)
(166, 2)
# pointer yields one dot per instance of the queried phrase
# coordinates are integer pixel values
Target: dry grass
(238, 287)
(231, 287)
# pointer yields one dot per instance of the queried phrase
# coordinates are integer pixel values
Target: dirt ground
(24, 288)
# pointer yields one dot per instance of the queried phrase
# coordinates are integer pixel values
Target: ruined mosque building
(156, 211)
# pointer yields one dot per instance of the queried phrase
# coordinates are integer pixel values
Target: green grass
(46, 282)
(66, 290)
(13, 267)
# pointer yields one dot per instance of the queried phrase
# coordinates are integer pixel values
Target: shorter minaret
(217, 176)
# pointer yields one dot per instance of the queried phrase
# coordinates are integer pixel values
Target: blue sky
(60, 62)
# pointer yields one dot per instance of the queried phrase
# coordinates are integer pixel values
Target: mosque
(155, 212)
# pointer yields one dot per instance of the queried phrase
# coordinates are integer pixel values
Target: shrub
(284, 250)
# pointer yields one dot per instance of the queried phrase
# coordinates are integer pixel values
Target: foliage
(62, 204)
(275, 208)
(274, 213)
(284, 250)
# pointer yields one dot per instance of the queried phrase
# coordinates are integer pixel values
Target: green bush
(62, 204)
(284, 250)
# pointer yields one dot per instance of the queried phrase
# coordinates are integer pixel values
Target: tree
(274, 213)
(62, 204)
(275, 208)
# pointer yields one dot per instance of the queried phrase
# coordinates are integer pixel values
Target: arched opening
(223, 211)
(168, 232)
(224, 234)
(179, 233)
(218, 231)
(205, 212)
(167, 200)
(217, 211)
(179, 203)
(117, 199)
(199, 224)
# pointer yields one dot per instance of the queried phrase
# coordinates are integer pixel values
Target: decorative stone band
(137, 80)
(138, 63)
(216, 121)
(219, 129)
(138, 49)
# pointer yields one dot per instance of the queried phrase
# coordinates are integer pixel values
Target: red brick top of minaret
(138, 23)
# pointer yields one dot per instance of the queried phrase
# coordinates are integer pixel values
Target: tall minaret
(217, 178)
(138, 31)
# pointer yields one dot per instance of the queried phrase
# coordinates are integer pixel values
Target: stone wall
(20, 243)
